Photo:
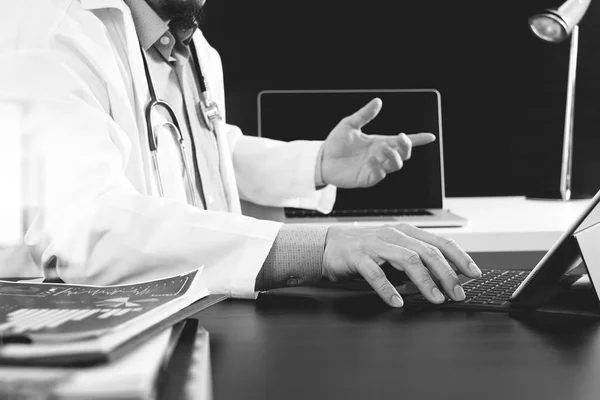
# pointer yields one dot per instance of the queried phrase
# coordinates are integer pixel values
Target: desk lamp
(555, 25)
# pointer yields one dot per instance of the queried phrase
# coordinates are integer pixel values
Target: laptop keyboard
(301, 213)
(493, 288)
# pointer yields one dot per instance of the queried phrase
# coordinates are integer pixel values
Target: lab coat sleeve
(95, 228)
(280, 174)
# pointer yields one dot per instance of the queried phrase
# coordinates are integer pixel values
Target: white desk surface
(498, 224)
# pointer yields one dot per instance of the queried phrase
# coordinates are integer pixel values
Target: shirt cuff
(296, 258)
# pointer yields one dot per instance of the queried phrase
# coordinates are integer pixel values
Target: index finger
(452, 251)
(376, 278)
(420, 139)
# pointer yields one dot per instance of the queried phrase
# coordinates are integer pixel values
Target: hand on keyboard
(424, 257)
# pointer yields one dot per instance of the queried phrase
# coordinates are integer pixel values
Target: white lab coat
(74, 70)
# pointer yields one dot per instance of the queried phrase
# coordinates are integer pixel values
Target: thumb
(365, 114)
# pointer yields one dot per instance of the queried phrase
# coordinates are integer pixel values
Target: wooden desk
(311, 343)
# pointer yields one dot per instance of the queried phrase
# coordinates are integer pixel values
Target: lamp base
(556, 196)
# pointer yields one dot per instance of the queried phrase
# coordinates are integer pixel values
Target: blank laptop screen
(310, 115)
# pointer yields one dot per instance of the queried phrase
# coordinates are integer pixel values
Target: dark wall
(503, 90)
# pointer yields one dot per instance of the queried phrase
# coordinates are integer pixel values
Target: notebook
(555, 285)
(65, 324)
(415, 194)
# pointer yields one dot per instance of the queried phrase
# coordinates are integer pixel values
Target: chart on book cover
(61, 308)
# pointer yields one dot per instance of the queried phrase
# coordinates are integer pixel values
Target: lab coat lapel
(214, 81)
(125, 30)
(140, 88)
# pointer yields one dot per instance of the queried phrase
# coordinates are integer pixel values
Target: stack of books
(82, 341)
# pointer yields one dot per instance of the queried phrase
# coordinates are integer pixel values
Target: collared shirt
(176, 82)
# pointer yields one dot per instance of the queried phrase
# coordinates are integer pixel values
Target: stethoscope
(210, 115)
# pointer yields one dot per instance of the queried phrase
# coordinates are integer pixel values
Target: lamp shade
(555, 25)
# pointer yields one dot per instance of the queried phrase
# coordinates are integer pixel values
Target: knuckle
(424, 280)
(404, 140)
(450, 274)
(388, 230)
(377, 276)
(379, 175)
(413, 259)
(402, 227)
(405, 146)
(383, 287)
(448, 242)
(367, 244)
(398, 161)
(433, 252)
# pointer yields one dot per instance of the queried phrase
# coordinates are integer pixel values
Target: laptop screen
(311, 115)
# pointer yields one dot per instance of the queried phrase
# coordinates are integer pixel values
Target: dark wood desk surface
(313, 343)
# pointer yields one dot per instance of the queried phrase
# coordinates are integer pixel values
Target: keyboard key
(476, 301)
(493, 288)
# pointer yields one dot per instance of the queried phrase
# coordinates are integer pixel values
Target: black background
(503, 90)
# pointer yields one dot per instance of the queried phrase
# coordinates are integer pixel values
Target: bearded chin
(183, 14)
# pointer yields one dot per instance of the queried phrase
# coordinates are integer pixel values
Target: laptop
(414, 195)
(560, 283)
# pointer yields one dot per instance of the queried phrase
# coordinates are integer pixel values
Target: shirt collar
(152, 30)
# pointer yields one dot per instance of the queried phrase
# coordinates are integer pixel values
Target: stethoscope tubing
(156, 102)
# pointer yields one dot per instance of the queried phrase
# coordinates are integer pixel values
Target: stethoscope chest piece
(210, 113)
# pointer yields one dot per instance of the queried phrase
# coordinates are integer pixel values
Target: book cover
(43, 323)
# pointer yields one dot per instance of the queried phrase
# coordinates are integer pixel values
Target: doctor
(124, 201)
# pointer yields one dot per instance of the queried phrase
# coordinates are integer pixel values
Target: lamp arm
(567, 156)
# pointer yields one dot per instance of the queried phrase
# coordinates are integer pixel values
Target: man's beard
(184, 14)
